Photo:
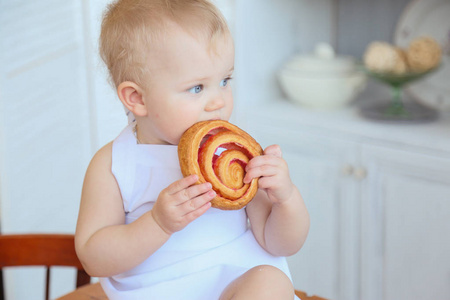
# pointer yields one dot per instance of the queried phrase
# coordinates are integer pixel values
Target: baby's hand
(182, 202)
(273, 172)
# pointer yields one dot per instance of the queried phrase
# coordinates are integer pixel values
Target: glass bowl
(396, 109)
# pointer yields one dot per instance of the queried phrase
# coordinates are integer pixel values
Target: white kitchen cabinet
(405, 245)
(319, 172)
(379, 200)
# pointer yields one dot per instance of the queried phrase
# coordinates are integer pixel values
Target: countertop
(432, 135)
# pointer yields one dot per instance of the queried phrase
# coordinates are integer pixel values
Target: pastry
(218, 151)
(423, 54)
(384, 58)
(401, 66)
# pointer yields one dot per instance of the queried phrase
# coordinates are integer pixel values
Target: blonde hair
(131, 27)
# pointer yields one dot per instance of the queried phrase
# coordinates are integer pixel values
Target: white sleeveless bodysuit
(197, 262)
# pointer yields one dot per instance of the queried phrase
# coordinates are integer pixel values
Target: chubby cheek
(228, 109)
(178, 125)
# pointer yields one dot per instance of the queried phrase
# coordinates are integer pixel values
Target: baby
(146, 231)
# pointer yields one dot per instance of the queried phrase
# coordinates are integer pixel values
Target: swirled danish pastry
(218, 152)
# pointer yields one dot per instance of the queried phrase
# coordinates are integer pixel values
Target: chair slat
(40, 250)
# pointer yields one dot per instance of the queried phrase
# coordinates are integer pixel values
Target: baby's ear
(131, 96)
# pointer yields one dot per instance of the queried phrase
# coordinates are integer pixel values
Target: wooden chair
(95, 292)
(304, 296)
(40, 250)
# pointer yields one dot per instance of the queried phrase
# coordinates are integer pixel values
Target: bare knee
(260, 282)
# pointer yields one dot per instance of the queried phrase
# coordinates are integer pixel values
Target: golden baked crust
(424, 53)
(384, 58)
(226, 171)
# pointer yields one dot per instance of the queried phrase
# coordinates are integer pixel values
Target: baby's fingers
(196, 206)
(193, 191)
(181, 184)
(194, 214)
(262, 160)
(260, 171)
(274, 150)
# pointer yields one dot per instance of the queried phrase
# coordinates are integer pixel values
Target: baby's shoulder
(102, 159)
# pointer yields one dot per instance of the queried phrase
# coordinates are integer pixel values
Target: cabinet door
(406, 226)
(327, 262)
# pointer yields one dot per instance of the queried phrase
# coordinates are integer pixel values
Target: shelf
(434, 136)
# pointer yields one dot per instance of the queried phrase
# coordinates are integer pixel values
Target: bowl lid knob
(324, 51)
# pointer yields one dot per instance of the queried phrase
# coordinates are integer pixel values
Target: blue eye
(224, 82)
(196, 89)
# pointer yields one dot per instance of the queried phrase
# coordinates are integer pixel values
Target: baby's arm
(104, 244)
(278, 215)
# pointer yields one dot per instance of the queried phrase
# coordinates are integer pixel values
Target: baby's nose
(215, 103)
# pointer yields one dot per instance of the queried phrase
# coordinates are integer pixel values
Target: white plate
(432, 18)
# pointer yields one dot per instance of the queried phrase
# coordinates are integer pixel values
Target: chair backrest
(40, 250)
(304, 296)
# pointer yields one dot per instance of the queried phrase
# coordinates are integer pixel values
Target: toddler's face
(189, 82)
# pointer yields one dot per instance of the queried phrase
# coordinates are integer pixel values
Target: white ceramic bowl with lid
(321, 80)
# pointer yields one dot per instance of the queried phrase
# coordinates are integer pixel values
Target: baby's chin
(169, 141)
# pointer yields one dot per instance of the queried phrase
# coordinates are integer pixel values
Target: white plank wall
(45, 130)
